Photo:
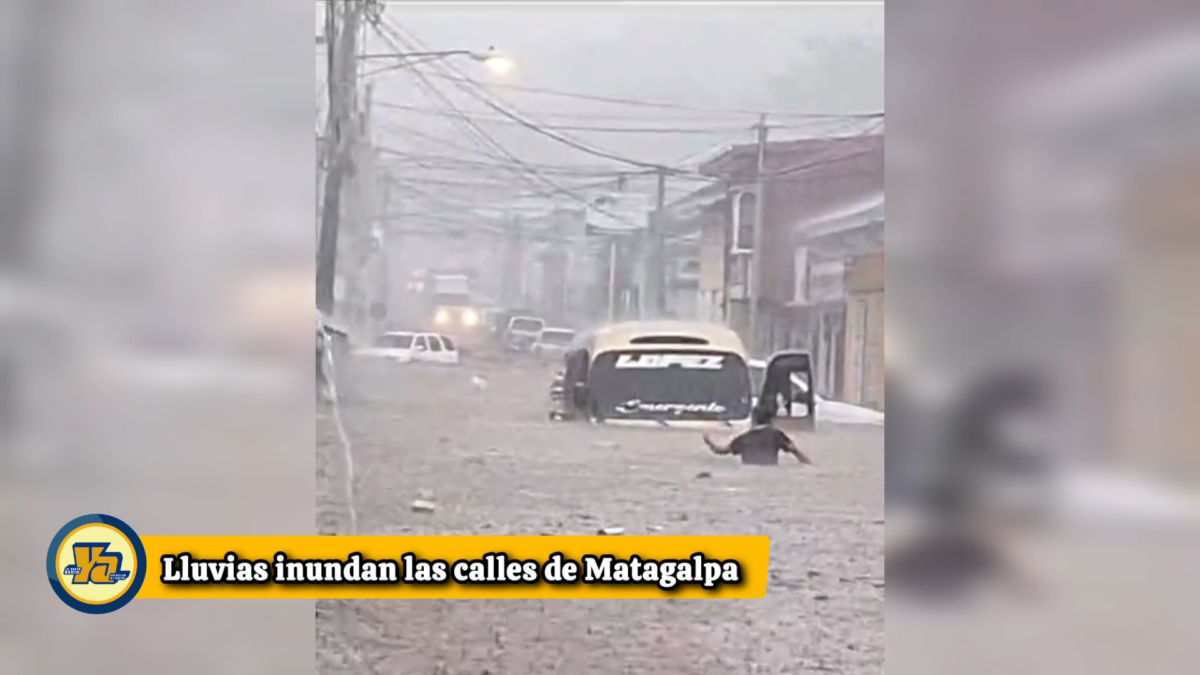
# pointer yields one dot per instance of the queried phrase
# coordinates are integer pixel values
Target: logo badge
(638, 405)
(96, 564)
(664, 361)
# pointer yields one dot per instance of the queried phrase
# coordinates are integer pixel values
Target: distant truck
(452, 289)
(448, 307)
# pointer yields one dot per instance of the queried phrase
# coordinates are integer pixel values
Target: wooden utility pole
(755, 272)
(342, 27)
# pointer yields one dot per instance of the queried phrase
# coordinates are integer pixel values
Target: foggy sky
(707, 57)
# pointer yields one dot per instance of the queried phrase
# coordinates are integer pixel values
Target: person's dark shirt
(761, 446)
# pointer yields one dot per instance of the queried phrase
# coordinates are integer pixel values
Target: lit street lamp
(494, 61)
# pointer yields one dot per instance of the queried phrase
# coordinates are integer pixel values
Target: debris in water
(613, 531)
(422, 506)
(704, 474)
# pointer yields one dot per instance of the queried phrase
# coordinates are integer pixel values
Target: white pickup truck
(409, 347)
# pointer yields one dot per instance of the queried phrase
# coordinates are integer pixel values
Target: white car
(522, 332)
(553, 342)
(407, 347)
(834, 412)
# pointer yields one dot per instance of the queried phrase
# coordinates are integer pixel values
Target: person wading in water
(761, 444)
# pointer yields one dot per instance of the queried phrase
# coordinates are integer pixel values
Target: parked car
(407, 347)
(522, 332)
(553, 342)
(498, 319)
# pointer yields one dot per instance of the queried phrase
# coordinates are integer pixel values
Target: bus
(661, 373)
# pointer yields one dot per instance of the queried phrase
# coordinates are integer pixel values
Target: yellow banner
(456, 567)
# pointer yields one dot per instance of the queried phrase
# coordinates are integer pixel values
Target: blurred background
(1042, 255)
(157, 208)
(156, 196)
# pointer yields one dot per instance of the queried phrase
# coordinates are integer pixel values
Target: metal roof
(621, 335)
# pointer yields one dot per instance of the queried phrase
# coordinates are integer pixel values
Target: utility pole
(512, 279)
(658, 278)
(383, 272)
(342, 27)
(755, 275)
(612, 278)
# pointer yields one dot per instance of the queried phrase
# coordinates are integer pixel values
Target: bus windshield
(666, 385)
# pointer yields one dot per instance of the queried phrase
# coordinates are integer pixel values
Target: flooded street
(492, 463)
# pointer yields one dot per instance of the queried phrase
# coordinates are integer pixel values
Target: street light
(495, 62)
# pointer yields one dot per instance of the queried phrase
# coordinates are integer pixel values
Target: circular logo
(96, 564)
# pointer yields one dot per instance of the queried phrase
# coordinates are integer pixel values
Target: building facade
(825, 248)
(863, 365)
(805, 181)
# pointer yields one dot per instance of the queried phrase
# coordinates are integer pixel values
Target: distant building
(835, 183)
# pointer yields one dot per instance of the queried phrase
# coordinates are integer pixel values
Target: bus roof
(626, 336)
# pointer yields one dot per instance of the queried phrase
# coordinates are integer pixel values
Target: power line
(478, 92)
(570, 127)
(829, 158)
(426, 159)
(519, 168)
(392, 36)
(458, 116)
(617, 100)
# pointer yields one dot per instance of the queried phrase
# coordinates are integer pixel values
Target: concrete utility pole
(342, 29)
(612, 278)
(658, 242)
(512, 279)
(755, 276)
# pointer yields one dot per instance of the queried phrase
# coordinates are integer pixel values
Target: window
(557, 337)
(666, 385)
(668, 340)
(420, 344)
(527, 325)
(449, 344)
(743, 221)
(800, 266)
(435, 345)
(403, 341)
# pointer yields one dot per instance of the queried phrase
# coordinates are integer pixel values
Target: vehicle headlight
(442, 317)
(470, 318)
